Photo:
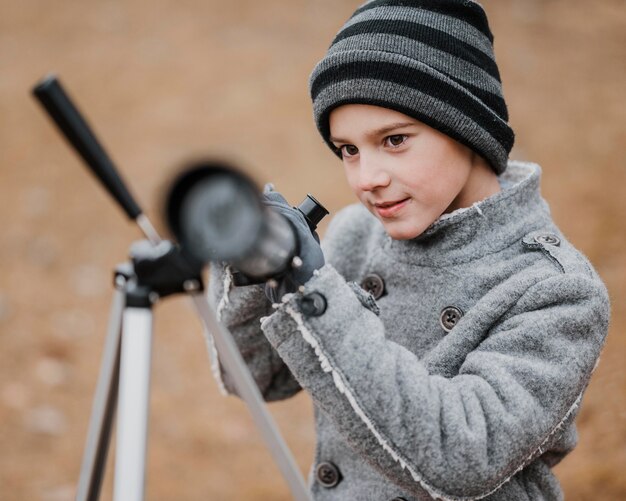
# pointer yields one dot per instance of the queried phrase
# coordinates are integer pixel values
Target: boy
(457, 368)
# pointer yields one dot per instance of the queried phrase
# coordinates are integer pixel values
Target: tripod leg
(249, 391)
(134, 399)
(103, 408)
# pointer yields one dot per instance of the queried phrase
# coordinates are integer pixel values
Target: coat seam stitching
(216, 366)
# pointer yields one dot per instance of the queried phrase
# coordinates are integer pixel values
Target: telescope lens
(220, 218)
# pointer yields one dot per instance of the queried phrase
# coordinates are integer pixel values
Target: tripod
(157, 269)
(126, 366)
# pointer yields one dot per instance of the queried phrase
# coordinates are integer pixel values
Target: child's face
(406, 173)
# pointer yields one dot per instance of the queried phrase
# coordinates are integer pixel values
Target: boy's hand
(310, 251)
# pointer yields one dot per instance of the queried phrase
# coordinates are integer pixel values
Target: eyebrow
(377, 132)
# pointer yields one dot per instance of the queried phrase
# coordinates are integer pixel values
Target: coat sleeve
(240, 310)
(456, 438)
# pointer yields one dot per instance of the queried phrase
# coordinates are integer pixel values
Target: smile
(390, 209)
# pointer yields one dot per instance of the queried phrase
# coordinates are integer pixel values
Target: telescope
(217, 214)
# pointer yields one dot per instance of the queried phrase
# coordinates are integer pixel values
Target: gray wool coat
(462, 380)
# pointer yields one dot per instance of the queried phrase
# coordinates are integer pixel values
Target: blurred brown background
(166, 81)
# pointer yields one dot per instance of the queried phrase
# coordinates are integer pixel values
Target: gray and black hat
(430, 59)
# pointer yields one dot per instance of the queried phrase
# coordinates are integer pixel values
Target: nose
(372, 174)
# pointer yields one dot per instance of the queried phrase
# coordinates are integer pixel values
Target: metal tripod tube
(249, 392)
(103, 408)
(134, 399)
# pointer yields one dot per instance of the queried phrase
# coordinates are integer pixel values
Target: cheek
(440, 178)
(352, 176)
(420, 178)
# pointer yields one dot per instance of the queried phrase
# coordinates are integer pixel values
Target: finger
(276, 197)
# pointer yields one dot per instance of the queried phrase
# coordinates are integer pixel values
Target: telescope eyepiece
(312, 210)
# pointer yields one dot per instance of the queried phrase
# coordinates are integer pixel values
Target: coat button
(449, 317)
(313, 304)
(328, 475)
(374, 285)
(548, 238)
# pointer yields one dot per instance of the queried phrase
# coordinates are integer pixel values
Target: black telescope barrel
(217, 214)
(59, 106)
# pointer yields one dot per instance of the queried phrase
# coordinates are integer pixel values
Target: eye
(348, 150)
(395, 140)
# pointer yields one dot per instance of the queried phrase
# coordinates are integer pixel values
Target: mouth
(390, 209)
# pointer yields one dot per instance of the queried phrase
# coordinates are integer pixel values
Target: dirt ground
(163, 82)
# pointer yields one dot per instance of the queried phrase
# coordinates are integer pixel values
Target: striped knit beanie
(430, 59)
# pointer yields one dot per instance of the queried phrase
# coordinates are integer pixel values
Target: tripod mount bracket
(156, 271)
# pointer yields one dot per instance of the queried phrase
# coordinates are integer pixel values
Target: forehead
(366, 112)
(351, 120)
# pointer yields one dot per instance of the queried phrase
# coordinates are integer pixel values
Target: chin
(400, 233)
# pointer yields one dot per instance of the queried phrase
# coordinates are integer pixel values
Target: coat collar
(485, 227)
